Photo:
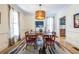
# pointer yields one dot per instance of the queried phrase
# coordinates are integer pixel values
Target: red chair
(30, 40)
(50, 39)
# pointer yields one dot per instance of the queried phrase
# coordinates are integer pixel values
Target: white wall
(4, 28)
(22, 28)
(72, 34)
(27, 22)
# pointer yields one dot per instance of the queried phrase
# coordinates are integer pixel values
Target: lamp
(40, 14)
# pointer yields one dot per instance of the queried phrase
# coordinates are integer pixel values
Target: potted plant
(40, 30)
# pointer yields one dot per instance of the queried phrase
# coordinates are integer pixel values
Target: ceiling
(50, 9)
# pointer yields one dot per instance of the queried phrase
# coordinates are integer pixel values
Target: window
(14, 23)
(49, 24)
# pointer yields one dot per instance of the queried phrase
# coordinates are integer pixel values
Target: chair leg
(54, 46)
(35, 47)
(26, 45)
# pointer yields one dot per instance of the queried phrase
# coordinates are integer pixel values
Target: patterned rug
(29, 48)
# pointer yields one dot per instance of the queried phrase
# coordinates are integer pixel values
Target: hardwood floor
(68, 46)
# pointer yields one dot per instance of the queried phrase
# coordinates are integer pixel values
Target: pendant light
(40, 14)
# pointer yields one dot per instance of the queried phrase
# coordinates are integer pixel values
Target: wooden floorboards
(71, 48)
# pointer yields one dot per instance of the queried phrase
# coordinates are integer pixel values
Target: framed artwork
(62, 21)
(76, 20)
(39, 24)
(62, 32)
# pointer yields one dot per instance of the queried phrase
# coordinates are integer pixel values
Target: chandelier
(40, 14)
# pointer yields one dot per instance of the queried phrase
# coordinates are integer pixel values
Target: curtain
(14, 24)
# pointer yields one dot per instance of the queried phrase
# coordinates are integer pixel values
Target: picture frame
(39, 24)
(76, 20)
(63, 20)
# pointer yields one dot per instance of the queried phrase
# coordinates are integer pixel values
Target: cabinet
(62, 32)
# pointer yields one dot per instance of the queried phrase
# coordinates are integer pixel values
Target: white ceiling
(50, 9)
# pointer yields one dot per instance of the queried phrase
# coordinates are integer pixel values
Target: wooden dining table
(49, 39)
